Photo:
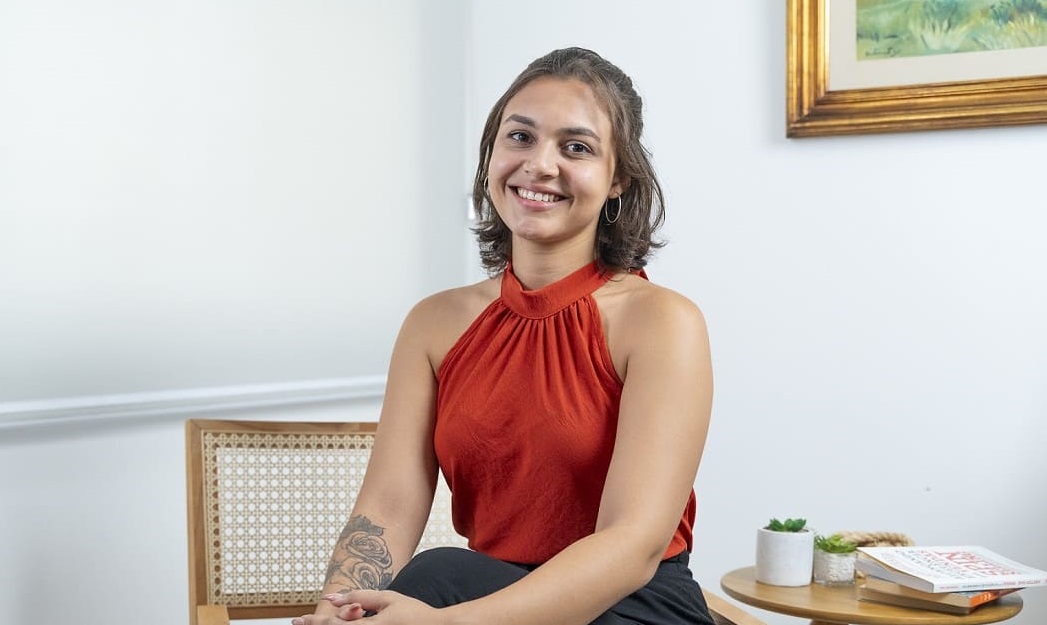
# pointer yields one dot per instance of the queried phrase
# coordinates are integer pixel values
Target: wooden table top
(839, 604)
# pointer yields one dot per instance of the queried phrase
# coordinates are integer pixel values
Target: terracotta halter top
(527, 409)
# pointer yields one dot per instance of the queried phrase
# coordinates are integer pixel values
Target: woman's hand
(390, 608)
(346, 611)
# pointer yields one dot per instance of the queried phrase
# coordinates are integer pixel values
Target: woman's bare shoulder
(439, 319)
(643, 303)
(451, 304)
(640, 315)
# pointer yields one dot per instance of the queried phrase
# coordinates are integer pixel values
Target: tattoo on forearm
(361, 557)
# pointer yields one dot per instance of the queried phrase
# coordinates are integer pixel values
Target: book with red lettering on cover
(947, 569)
(958, 602)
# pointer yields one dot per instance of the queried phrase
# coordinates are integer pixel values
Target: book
(957, 602)
(947, 569)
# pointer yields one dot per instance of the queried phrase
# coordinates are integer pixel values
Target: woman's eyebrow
(520, 119)
(573, 130)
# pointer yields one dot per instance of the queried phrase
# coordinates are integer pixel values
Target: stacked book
(946, 579)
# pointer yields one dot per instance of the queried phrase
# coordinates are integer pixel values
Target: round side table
(835, 605)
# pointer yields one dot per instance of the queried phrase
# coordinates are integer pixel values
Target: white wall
(875, 305)
(211, 193)
(202, 203)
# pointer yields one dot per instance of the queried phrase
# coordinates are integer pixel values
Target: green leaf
(789, 525)
(834, 544)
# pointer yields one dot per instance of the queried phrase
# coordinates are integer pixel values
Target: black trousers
(449, 575)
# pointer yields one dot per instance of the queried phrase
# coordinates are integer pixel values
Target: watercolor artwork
(871, 66)
(911, 28)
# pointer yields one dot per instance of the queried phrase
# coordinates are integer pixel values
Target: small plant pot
(833, 569)
(784, 558)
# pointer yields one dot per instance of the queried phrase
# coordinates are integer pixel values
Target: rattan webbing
(276, 504)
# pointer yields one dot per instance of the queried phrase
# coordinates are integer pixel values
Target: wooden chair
(266, 500)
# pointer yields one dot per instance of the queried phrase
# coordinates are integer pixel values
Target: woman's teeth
(538, 197)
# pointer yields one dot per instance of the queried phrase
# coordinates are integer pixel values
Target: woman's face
(552, 164)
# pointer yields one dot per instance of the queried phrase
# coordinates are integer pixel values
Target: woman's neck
(539, 268)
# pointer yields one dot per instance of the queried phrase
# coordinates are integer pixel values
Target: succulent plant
(788, 525)
(834, 543)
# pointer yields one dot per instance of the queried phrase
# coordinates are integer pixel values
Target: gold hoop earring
(607, 214)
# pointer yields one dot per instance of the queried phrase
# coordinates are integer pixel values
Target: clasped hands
(389, 608)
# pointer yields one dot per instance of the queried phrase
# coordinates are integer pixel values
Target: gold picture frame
(812, 109)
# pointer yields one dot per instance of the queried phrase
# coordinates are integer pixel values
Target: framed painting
(868, 66)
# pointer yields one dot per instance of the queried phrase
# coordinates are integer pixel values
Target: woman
(566, 399)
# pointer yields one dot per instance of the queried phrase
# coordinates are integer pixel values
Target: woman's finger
(370, 600)
(338, 599)
(351, 612)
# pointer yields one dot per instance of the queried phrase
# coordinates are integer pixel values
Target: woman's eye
(519, 136)
(578, 148)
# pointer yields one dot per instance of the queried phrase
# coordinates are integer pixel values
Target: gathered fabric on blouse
(526, 415)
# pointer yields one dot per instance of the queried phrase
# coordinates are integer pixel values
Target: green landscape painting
(899, 28)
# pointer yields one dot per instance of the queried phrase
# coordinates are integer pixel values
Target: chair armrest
(212, 615)
(726, 613)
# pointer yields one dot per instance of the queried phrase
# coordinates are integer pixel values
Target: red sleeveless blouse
(526, 414)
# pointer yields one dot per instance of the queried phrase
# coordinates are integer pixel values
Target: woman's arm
(664, 417)
(397, 491)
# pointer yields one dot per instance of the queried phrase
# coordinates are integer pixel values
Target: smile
(537, 197)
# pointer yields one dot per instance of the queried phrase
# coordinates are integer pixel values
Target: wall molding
(206, 400)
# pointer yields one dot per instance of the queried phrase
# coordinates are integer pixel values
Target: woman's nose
(541, 162)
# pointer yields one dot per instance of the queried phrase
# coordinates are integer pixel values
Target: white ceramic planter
(784, 558)
(834, 569)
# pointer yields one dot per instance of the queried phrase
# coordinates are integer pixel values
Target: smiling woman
(566, 378)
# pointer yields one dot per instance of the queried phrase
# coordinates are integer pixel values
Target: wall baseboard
(28, 414)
